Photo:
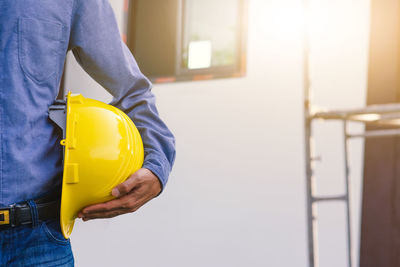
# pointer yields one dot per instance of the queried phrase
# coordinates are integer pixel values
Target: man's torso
(34, 38)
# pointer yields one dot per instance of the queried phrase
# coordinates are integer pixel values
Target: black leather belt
(21, 213)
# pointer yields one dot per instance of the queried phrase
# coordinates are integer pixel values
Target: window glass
(210, 33)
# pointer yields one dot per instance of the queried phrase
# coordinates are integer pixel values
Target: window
(175, 40)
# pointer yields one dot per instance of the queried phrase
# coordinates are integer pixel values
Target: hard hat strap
(57, 114)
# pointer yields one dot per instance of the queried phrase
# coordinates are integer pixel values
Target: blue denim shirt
(34, 39)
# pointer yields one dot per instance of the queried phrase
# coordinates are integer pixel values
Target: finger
(104, 215)
(115, 204)
(127, 186)
(122, 210)
(113, 213)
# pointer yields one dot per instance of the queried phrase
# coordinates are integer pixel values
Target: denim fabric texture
(39, 246)
(35, 37)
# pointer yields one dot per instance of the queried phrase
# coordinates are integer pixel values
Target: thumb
(125, 187)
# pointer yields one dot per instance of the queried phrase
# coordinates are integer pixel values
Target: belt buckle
(4, 217)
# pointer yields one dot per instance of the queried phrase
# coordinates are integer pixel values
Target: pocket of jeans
(39, 43)
(53, 231)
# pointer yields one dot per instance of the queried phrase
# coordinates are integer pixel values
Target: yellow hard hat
(102, 148)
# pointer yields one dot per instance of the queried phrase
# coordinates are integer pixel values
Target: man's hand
(138, 189)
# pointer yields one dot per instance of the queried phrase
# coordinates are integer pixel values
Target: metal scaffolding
(377, 115)
(386, 115)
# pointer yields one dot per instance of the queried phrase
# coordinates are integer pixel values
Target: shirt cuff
(159, 166)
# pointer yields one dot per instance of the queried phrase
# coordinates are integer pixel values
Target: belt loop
(34, 213)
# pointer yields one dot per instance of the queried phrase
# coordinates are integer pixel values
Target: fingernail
(115, 192)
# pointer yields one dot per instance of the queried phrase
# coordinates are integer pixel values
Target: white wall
(236, 196)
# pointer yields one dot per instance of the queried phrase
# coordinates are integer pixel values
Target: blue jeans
(39, 245)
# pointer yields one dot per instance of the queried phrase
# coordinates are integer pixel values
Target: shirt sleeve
(97, 46)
